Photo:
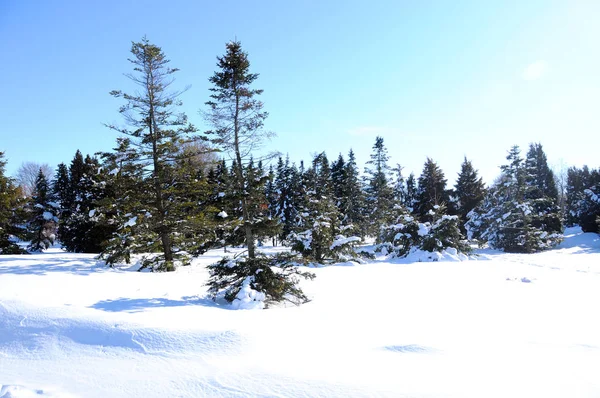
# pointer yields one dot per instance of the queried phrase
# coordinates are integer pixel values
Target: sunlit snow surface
(499, 326)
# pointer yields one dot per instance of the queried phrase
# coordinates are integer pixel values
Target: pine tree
(432, 190)
(156, 135)
(509, 218)
(410, 199)
(379, 193)
(542, 192)
(42, 216)
(352, 201)
(469, 191)
(444, 233)
(10, 204)
(319, 236)
(583, 186)
(238, 118)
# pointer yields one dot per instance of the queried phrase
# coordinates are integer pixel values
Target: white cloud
(535, 70)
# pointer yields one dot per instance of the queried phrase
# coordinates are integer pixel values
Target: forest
(170, 193)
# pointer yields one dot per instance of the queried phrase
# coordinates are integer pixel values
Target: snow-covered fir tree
(80, 229)
(509, 218)
(410, 199)
(583, 186)
(237, 117)
(431, 191)
(156, 134)
(379, 195)
(319, 234)
(469, 191)
(443, 233)
(541, 192)
(42, 214)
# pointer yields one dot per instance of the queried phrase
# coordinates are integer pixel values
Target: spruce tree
(510, 217)
(352, 201)
(469, 191)
(542, 192)
(379, 193)
(432, 190)
(319, 235)
(42, 216)
(237, 117)
(410, 199)
(10, 205)
(156, 134)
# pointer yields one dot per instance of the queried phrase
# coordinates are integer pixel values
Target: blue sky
(442, 79)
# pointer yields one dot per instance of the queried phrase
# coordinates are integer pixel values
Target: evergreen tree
(410, 199)
(379, 193)
(469, 191)
(320, 237)
(80, 229)
(238, 118)
(583, 186)
(10, 204)
(42, 216)
(432, 190)
(444, 233)
(509, 219)
(156, 134)
(352, 199)
(61, 188)
(541, 192)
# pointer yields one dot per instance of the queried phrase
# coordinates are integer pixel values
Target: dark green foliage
(432, 190)
(401, 236)
(583, 207)
(10, 208)
(42, 215)
(379, 193)
(516, 216)
(444, 233)
(469, 191)
(238, 119)
(81, 227)
(410, 198)
(155, 212)
(319, 235)
(276, 277)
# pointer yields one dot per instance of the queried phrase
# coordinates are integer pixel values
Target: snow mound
(449, 254)
(248, 298)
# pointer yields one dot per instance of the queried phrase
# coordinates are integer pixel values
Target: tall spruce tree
(542, 192)
(469, 191)
(431, 191)
(352, 200)
(379, 193)
(410, 199)
(42, 215)
(237, 117)
(319, 235)
(10, 205)
(510, 218)
(156, 135)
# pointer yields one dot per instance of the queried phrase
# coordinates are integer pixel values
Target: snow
(71, 327)
(342, 240)
(48, 216)
(222, 214)
(131, 222)
(248, 298)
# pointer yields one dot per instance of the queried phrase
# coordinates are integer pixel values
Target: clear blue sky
(442, 79)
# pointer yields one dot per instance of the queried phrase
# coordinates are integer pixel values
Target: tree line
(162, 190)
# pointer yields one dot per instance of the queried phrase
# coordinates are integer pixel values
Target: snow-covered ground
(499, 326)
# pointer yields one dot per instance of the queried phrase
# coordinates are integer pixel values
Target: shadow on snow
(140, 304)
